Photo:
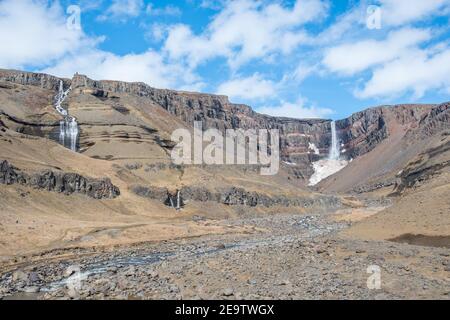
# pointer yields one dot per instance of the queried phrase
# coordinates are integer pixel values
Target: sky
(293, 58)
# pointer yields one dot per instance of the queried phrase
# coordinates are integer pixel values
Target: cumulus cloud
(406, 56)
(35, 33)
(254, 87)
(356, 57)
(399, 12)
(418, 71)
(244, 30)
(148, 67)
(296, 110)
(122, 10)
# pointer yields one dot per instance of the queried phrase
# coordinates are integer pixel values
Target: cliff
(359, 134)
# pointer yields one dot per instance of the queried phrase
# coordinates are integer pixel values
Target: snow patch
(313, 147)
(325, 168)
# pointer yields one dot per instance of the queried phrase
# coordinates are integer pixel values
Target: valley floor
(284, 257)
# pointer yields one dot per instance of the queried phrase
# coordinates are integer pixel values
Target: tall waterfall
(68, 127)
(333, 163)
(335, 149)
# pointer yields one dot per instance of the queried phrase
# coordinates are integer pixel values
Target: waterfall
(335, 149)
(68, 127)
(326, 167)
(178, 200)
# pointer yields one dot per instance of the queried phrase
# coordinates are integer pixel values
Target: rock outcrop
(234, 197)
(426, 165)
(41, 80)
(67, 183)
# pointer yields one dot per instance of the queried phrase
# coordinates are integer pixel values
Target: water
(335, 149)
(68, 127)
(334, 163)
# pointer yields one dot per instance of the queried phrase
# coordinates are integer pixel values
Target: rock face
(8, 174)
(359, 133)
(41, 80)
(233, 197)
(215, 111)
(300, 139)
(67, 183)
(434, 161)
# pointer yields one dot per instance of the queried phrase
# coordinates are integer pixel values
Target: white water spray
(68, 127)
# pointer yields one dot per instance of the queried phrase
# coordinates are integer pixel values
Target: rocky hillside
(405, 137)
(142, 114)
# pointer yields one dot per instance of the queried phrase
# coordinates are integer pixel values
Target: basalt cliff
(116, 105)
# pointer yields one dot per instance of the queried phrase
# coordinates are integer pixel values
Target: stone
(227, 292)
(67, 183)
(32, 289)
(34, 277)
(19, 276)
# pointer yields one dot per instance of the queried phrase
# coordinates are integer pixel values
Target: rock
(34, 277)
(232, 196)
(61, 182)
(284, 283)
(130, 271)
(9, 174)
(153, 274)
(32, 289)
(227, 292)
(19, 276)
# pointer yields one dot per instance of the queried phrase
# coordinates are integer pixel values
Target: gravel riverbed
(286, 257)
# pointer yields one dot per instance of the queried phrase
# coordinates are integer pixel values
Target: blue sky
(296, 58)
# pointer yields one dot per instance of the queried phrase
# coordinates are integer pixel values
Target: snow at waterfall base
(325, 168)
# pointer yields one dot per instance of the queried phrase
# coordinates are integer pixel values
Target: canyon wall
(358, 134)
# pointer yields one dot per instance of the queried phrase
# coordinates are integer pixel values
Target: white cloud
(355, 57)
(148, 67)
(418, 71)
(154, 32)
(35, 33)
(403, 62)
(296, 110)
(169, 10)
(254, 87)
(87, 5)
(37, 36)
(302, 71)
(400, 12)
(245, 30)
(211, 4)
(122, 10)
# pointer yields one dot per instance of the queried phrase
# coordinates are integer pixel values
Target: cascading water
(335, 149)
(327, 167)
(68, 127)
